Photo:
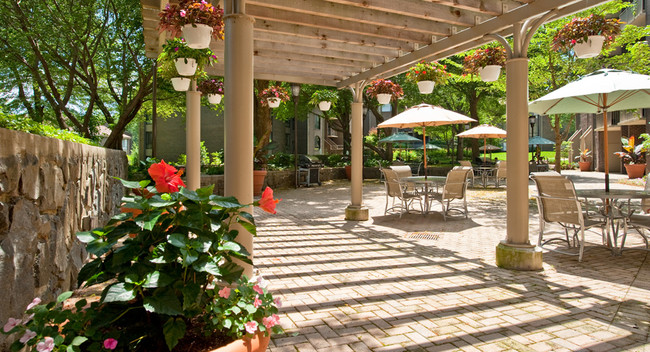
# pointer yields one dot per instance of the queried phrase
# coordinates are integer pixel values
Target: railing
(332, 146)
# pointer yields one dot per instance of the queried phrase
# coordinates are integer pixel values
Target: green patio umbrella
(399, 138)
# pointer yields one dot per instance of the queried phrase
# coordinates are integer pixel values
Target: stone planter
(635, 170)
(584, 165)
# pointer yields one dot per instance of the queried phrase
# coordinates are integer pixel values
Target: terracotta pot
(258, 343)
(348, 172)
(258, 181)
(635, 170)
(584, 165)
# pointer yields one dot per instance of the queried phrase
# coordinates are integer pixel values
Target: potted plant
(427, 75)
(168, 58)
(584, 161)
(486, 62)
(212, 88)
(273, 95)
(197, 20)
(324, 98)
(384, 90)
(167, 276)
(187, 60)
(634, 155)
(587, 35)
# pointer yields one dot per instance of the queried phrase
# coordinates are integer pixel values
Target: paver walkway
(378, 286)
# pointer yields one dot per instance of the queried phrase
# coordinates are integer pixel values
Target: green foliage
(566, 148)
(428, 71)
(176, 48)
(324, 95)
(580, 28)
(281, 161)
(25, 124)
(479, 58)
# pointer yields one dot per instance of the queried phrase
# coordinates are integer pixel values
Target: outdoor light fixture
(295, 91)
(531, 121)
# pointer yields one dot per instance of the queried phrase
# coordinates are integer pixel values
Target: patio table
(425, 182)
(611, 208)
(485, 172)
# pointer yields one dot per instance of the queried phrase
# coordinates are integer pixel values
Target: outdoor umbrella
(600, 91)
(537, 140)
(399, 138)
(424, 115)
(483, 131)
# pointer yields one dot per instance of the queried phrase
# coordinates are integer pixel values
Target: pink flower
(257, 302)
(224, 292)
(257, 289)
(46, 345)
(110, 344)
(11, 323)
(269, 322)
(27, 336)
(34, 303)
(182, 13)
(278, 302)
(251, 327)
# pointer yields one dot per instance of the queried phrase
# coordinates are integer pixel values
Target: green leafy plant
(634, 154)
(384, 86)
(585, 155)
(273, 92)
(193, 12)
(25, 124)
(175, 49)
(428, 71)
(210, 86)
(324, 95)
(580, 28)
(162, 262)
(479, 58)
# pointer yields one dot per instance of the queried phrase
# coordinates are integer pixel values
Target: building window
(317, 123)
(616, 117)
(316, 143)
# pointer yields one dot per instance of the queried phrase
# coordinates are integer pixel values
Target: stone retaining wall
(49, 190)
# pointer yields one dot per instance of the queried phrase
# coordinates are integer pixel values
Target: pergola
(347, 43)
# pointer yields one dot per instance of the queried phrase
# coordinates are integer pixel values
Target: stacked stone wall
(49, 190)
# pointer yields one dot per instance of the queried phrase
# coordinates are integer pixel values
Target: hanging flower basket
(489, 73)
(579, 35)
(198, 22)
(197, 36)
(427, 75)
(426, 87)
(476, 62)
(324, 105)
(273, 96)
(181, 84)
(214, 98)
(590, 48)
(384, 90)
(185, 66)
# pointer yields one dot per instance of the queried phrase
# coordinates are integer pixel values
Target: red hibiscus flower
(267, 203)
(167, 178)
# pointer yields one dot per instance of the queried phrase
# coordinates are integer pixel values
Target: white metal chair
(500, 173)
(639, 222)
(467, 163)
(455, 188)
(398, 190)
(558, 204)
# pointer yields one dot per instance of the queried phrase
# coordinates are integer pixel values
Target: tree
(91, 70)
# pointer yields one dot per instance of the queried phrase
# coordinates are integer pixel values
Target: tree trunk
(262, 125)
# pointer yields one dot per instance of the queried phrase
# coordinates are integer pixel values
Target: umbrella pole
(484, 149)
(424, 146)
(605, 147)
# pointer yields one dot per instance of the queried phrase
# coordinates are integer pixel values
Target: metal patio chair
(398, 190)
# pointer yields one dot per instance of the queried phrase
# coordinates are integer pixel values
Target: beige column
(193, 137)
(356, 210)
(238, 111)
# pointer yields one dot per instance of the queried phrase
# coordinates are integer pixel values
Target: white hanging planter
(324, 105)
(426, 87)
(489, 73)
(214, 98)
(185, 66)
(590, 48)
(181, 83)
(273, 102)
(383, 98)
(197, 37)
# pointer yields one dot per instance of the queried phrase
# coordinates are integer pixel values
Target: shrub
(25, 124)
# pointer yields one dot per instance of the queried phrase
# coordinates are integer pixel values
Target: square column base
(519, 257)
(356, 213)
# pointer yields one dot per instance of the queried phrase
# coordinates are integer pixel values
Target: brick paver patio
(384, 285)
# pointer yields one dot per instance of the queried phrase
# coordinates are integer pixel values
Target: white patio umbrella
(483, 131)
(600, 91)
(424, 115)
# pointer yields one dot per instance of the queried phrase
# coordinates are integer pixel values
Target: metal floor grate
(422, 236)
